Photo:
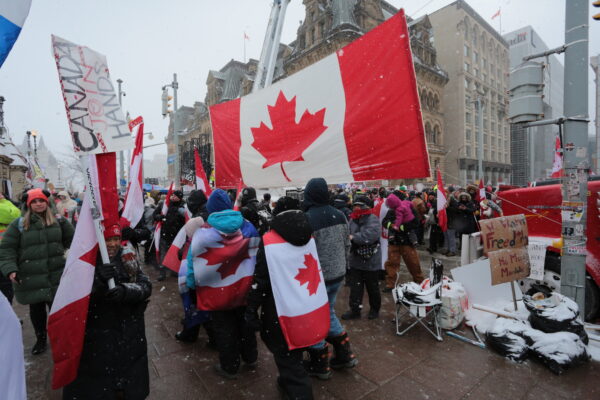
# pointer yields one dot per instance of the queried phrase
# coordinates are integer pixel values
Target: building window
(468, 134)
(493, 155)
(485, 139)
(475, 57)
(468, 151)
(467, 101)
(467, 84)
(476, 72)
(467, 67)
(485, 78)
(468, 117)
(467, 51)
(485, 64)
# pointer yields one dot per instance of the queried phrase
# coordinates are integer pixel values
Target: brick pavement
(414, 366)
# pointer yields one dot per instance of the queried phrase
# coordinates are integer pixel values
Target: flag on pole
(237, 194)
(441, 203)
(12, 18)
(163, 212)
(481, 191)
(298, 289)
(246, 37)
(172, 260)
(496, 14)
(557, 166)
(134, 199)
(68, 316)
(331, 119)
(201, 181)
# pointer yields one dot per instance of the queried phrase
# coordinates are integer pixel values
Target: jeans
(450, 237)
(335, 327)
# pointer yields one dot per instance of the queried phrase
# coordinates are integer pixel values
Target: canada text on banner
(95, 118)
(353, 116)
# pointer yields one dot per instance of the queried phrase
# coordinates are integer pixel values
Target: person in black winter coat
(172, 222)
(114, 361)
(253, 211)
(464, 214)
(196, 203)
(342, 203)
(293, 379)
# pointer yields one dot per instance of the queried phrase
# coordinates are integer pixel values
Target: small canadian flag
(299, 290)
(557, 167)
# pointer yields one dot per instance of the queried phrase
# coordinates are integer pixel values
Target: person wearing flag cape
(114, 361)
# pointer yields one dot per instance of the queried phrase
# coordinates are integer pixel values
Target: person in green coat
(8, 213)
(32, 256)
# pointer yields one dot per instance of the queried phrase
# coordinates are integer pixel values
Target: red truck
(541, 206)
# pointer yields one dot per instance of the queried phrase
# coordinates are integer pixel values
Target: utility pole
(121, 154)
(268, 55)
(576, 152)
(595, 63)
(174, 85)
(480, 108)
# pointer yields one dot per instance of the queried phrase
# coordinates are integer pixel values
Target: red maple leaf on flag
(230, 256)
(287, 140)
(309, 274)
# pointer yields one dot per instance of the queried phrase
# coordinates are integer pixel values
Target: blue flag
(12, 17)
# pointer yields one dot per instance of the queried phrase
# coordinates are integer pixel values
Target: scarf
(360, 213)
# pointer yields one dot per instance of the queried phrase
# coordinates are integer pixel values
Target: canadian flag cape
(298, 289)
(557, 166)
(68, 316)
(223, 268)
(134, 200)
(346, 118)
(158, 227)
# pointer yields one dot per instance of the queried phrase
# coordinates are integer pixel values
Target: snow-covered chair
(421, 304)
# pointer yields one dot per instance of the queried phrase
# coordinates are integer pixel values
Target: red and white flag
(343, 118)
(223, 268)
(172, 260)
(201, 181)
(481, 192)
(380, 209)
(496, 14)
(441, 203)
(134, 199)
(557, 166)
(68, 316)
(157, 229)
(299, 290)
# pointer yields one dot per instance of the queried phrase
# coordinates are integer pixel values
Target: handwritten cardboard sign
(509, 265)
(504, 233)
(95, 117)
(505, 242)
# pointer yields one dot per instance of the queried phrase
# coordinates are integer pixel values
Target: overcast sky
(145, 41)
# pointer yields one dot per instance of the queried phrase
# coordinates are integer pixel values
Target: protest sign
(95, 118)
(509, 265)
(537, 256)
(504, 233)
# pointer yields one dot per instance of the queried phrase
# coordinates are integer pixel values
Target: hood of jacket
(293, 226)
(195, 201)
(392, 201)
(227, 221)
(218, 201)
(316, 193)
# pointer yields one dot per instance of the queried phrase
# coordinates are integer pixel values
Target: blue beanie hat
(218, 201)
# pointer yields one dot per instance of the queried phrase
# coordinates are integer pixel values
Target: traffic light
(596, 4)
(165, 102)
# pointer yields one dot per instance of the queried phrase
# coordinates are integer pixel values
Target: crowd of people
(361, 236)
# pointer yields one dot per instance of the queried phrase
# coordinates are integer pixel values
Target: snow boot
(351, 314)
(344, 357)
(40, 345)
(188, 335)
(318, 364)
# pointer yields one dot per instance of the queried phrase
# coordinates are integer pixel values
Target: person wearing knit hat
(32, 256)
(115, 328)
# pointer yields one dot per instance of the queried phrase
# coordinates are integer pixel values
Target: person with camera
(32, 256)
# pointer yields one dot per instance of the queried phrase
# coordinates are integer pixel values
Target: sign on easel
(505, 241)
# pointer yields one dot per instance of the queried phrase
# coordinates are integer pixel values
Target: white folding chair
(421, 304)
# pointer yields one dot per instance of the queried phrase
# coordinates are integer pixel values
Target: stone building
(477, 61)
(327, 27)
(13, 166)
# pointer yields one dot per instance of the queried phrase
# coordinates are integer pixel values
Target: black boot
(188, 335)
(162, 274)
(40, 345)
(318, 364)
(344, 357)
(351, 314)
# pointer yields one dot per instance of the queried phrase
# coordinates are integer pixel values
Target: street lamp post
(121, 154)
(175, 85)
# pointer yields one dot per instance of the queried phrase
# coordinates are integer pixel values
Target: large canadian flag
(134, 200)
(299, 290)
(353, 116)
(201, 181)
(68, 316)
(223, 268)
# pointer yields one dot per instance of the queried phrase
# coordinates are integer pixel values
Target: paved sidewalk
(414, 366)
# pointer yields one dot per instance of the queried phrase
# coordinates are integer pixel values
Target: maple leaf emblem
(230, 256)
(309, 274)
(287, 140)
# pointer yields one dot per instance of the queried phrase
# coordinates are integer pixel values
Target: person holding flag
(114, 360)
(284, 293)
(171, 215)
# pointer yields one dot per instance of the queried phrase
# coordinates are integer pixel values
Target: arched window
(428, 132)
(436, 102)
(437, 135)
